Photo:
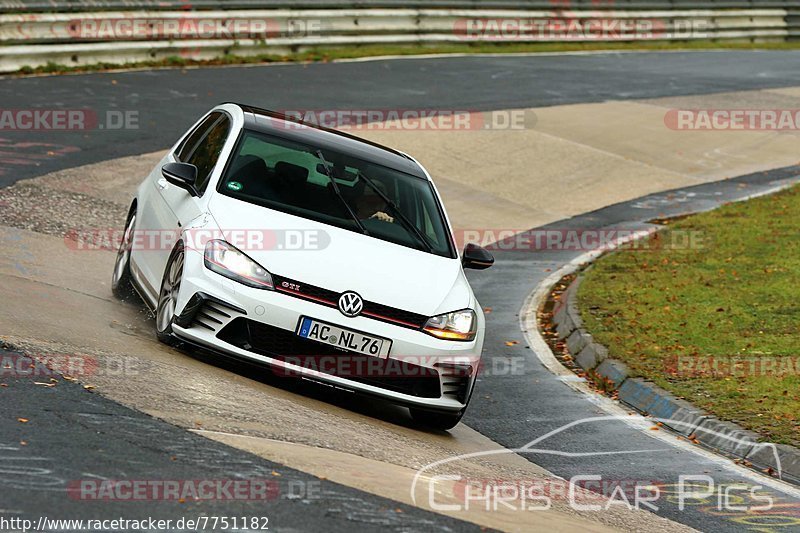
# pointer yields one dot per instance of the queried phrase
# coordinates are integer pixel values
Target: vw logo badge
(350, 304)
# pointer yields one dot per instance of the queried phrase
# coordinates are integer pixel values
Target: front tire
(436, 420)
(121, 284)
(168, 296)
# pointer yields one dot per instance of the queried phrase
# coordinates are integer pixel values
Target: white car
(323, 255)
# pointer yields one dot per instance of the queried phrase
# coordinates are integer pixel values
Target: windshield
(287, 176)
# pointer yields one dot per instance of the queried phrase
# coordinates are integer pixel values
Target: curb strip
(675, 413)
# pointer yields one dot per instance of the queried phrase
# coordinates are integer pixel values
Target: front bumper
(420, 371)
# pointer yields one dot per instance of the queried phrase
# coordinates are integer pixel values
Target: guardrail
(118, 37)
(32, 6)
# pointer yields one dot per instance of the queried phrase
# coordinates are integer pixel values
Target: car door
(170, 208)
(202, 151)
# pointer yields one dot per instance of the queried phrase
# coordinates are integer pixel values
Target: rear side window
(190, 143)
(206, 155)
(203, 146)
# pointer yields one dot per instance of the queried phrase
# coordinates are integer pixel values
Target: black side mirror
(476, 257)
(182, 175)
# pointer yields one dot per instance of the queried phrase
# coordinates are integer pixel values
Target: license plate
(346, 339)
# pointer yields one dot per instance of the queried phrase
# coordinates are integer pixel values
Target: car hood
(340, 260)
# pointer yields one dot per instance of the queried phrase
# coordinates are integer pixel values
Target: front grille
(393, 315)
(390, 374)
(329, 298)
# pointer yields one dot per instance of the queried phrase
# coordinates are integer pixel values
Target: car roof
(264, 121)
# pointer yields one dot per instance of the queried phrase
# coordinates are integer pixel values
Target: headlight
(456, 326)
(224, 259)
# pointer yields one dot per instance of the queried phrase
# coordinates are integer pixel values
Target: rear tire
(121, 283)
(168, 296)
(436, 420)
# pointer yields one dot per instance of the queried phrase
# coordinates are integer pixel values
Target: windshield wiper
(407, 223)
(329, 173)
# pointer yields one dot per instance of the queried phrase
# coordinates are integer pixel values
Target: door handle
(162, 184)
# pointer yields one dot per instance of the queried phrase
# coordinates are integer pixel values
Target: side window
(190, 143)
(206, 154)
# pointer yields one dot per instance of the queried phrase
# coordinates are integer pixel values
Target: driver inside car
(370, 204)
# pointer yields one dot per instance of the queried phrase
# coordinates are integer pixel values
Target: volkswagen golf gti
(325, 256)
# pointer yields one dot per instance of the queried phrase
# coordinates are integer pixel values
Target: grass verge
(717, 323)
(352, 52)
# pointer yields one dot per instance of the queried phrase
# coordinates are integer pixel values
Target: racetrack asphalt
(166, 102)
(57, 437)
(511, 410)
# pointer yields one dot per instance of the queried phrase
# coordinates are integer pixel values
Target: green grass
(350, 52)
(667, 309)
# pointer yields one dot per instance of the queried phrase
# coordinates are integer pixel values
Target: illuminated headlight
(226, 260)
(456, 326)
